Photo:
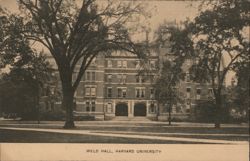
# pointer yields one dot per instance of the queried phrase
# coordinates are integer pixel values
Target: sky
(161, 10)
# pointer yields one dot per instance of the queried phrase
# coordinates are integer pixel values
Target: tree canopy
(25, 69)
(218, 41)
(75, 33)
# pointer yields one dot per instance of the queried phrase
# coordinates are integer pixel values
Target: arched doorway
(121, 109)
(140, 109)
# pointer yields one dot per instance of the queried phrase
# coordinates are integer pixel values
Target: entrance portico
(121, 109)
(140, 109)
(130, 109)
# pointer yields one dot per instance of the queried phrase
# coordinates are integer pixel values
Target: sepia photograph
(118, 80)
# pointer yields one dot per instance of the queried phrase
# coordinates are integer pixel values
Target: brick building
(112, 87)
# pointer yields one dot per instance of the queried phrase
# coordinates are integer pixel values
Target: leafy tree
(21, 87)
(16, 99)
(28, 70)
(77, 33)
(243, 79)
(204, 111)
(240, 89)
(218, 43)
(14, 49)
(172, 59)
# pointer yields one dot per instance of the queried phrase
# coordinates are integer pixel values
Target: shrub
(205, 111)
(52, 116)
(84, 118)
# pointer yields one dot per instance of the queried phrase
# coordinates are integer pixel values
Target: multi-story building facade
(113, 86)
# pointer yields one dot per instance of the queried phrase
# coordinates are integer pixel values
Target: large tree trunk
(67, 103)
(218, 111)
(169, 115)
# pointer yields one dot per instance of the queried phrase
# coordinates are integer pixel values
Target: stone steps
(124, 118)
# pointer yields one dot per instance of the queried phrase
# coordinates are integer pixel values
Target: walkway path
(124, 135)
(123, 123)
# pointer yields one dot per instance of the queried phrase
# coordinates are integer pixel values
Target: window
(152, 92)
(90, 91)
(188, 92)
(93, 91)
(109, 63)
(119, 63)
(119, 92)
(119, 77)
(137, 93)
(93, 76)
(87, 106)
(198, 93)
(88, 76)
(90, 105)
(139, 79)
(109, 78)
(124, 64)
(124, 92)
(140, 92)
(87, 91)
(187, 77)
(109, 92)
(188, 105)
(124, 77)
(109, 107)
(152, 107)
(93, 105)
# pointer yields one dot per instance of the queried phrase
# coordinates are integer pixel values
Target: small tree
(77, 33)
(165, 86)
(170, 67)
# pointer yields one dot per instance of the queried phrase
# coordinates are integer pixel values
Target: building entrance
(140, 109)
(121, 109)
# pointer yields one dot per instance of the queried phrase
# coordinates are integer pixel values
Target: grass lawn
(17, 136)
(135, 128)
(221, 137)
(145, 128)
